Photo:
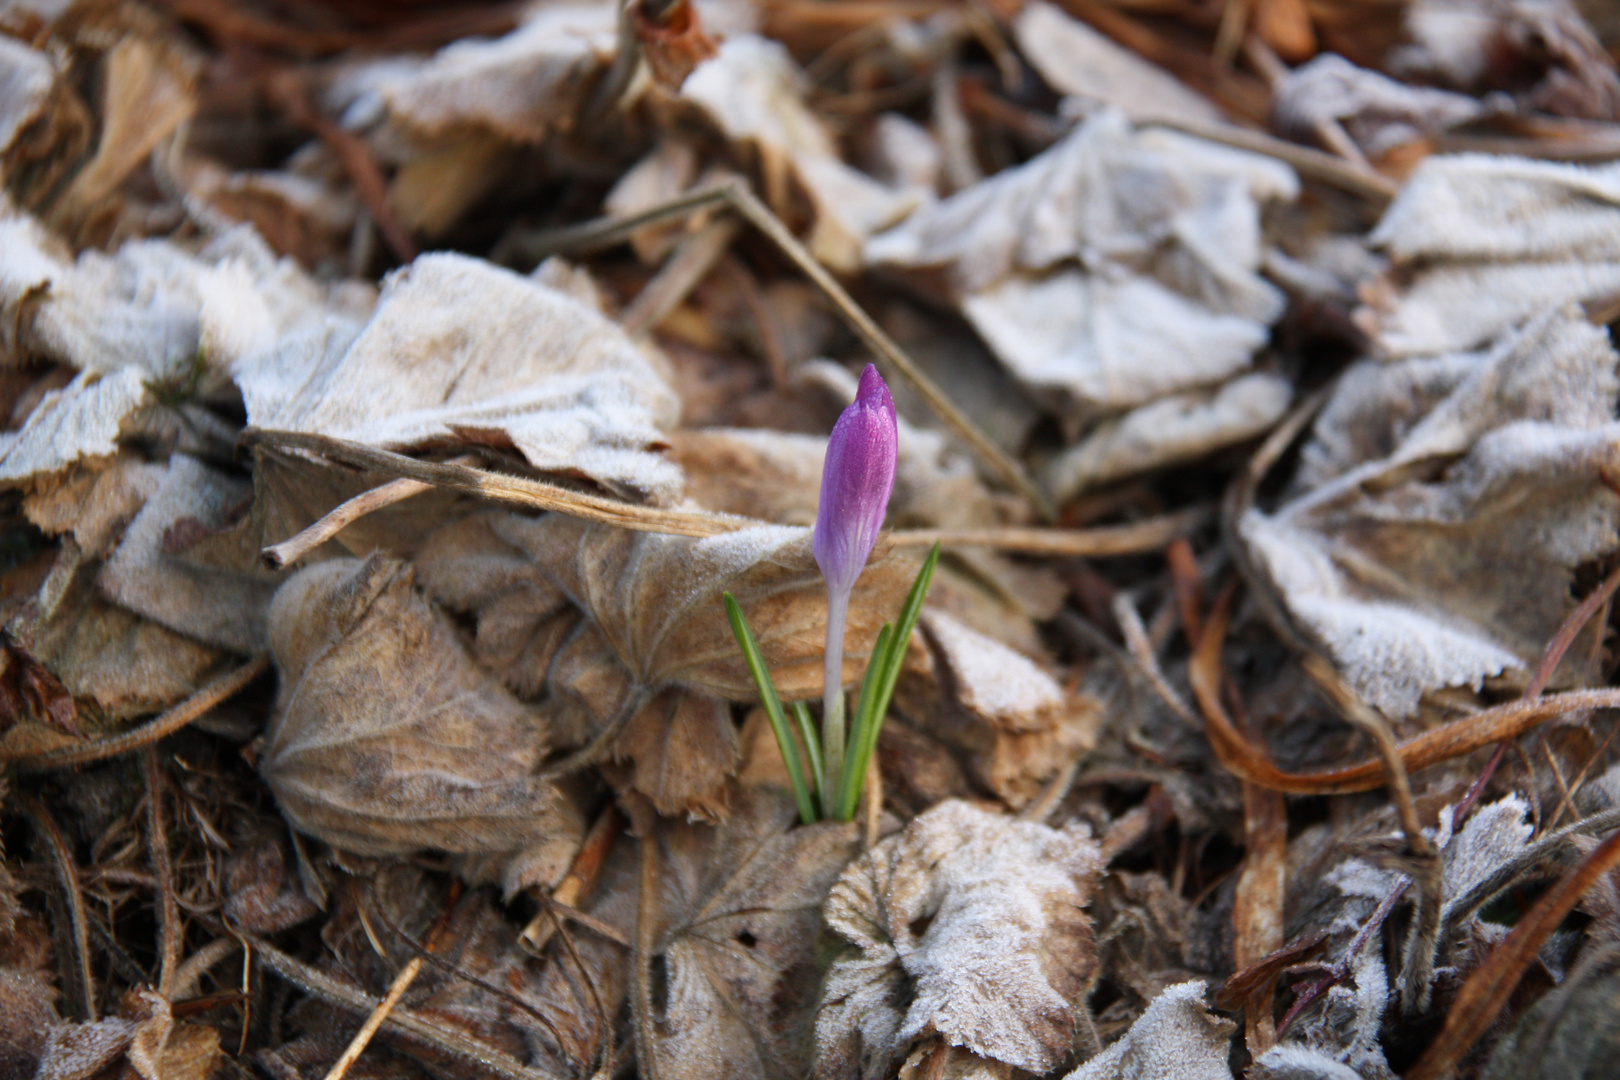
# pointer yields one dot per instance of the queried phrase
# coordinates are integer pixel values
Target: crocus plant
(856, 482)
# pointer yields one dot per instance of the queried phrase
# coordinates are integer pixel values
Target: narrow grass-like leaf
(849, 782)
(882, 673)
(812, 746)
(773, 708)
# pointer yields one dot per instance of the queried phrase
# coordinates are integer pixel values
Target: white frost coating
(457, 346)
(26, 77)
(1091, 344)
(1493, 837)
(1115, 268)
(1483, 242)
(1074, 59)
(1442, 507)
(1005, 952)
(78, 422)
(1171, 430)
(1177, 1038)
(1003, 686)
(1295, 1062)
(754, 93)
(518, 85)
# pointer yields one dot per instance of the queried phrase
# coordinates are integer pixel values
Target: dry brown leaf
(521, 618)
(751, 91)
(967, 925)
(459, 351)
(1017, 726)
(389, 739)
(1442, 507)
(147, 92)
(124, 664)
(656, 600)
(739, 908)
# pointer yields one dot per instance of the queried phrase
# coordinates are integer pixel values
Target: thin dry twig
(579, 882)
(188, 711)
(321, 985)
(346, 513)
(402, 982)
(157, 840)
(641, 958)
(73, 893)
(1134, 538)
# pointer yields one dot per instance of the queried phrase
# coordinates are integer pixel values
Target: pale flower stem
(832, 710)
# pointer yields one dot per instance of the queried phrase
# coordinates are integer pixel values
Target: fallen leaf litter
(391, 392)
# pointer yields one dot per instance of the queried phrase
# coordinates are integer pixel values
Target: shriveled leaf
(967, 925)
(520, 86)
(1442, 508)
(461, 351)
(261, 896)
(739, 909)
(1377, 112)
(389, 739)
(1078, 61)
(1482, 243)
(149, 1044)
(1176, 1039)
(125, 664)
(151, 575)
(94, 505)
(1115, 268)
(656, 599)
(27, 986)
(751, 91)
(1014, 724)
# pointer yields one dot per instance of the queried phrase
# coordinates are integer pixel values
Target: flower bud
(856, 482)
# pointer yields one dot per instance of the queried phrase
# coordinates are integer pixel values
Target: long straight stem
(832, 709)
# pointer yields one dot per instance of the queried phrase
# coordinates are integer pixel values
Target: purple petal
(856, 482)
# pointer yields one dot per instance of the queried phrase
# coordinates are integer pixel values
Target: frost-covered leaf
(103, 653)
(751, 91)
(461, 351)
(1177, 1038)
(150, 574)
(1377, 112)
(739, 909)
(1442, 507)
(1171, 430)
(1115, 268)
(1016, 724)
(1480, 243)
(967, 925)
(521, 86)
(389, 739)
(1078, 61)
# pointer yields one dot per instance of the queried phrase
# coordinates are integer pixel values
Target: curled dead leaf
(967, 925)
(388, 738)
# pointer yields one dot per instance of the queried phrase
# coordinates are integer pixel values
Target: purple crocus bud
(856, 482)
